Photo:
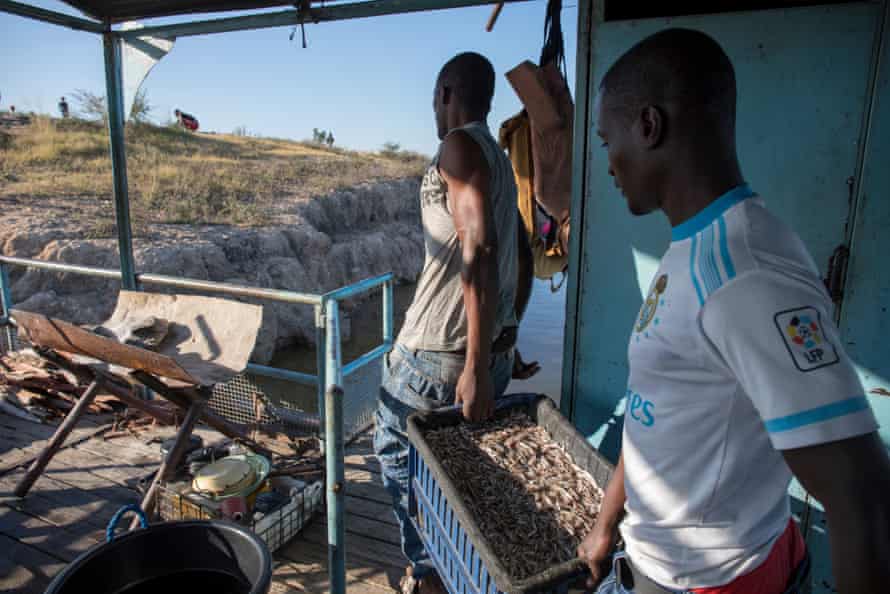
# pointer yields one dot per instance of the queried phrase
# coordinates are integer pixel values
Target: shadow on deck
(69, 506)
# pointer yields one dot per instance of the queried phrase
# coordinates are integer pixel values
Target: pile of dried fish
(530, 500)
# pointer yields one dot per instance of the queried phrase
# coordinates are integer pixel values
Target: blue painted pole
(388, 305)
(305, 379)
(334, 450)
(116, 117)
(587, 14)
(320, 345)
(6, 303)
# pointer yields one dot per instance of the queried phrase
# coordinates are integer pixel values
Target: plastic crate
(460, 551)
(276, 528)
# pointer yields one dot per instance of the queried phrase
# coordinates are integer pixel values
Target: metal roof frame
(304, 13)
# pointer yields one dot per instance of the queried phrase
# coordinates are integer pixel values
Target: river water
(540, 339)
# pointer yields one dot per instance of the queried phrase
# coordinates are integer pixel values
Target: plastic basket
(458, 548)
(276, 528)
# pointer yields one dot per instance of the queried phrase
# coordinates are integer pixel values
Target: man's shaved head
(679, 66)
(666, 113)
(471, 78)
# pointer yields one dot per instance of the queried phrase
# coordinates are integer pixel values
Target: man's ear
(652, 126)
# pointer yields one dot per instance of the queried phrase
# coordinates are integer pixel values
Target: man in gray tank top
(453, 347)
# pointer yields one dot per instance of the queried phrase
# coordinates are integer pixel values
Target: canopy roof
(122, 10)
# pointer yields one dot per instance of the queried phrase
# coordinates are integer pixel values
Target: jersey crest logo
(801, 330)
(647, 312)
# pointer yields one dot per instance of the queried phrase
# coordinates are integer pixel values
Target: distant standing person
(330, 139)
(185, 120)
(63, 107)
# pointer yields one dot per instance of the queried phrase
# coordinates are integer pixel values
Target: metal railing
(330, 369)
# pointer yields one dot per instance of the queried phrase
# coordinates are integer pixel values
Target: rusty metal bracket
(837, 273)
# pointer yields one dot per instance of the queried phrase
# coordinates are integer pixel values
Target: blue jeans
(417, 381)
(612, 582)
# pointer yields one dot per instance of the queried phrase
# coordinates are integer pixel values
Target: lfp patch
(801, 329)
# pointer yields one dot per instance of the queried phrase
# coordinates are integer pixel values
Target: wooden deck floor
(68, 508)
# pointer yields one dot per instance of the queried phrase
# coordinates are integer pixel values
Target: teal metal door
(803, 79)
(806, 82)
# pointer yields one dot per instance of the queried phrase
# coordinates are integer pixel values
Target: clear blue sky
(367, 80)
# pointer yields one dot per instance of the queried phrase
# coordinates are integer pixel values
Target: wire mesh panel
(240, 400)
(360, 398)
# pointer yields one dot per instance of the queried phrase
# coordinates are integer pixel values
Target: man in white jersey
(738, 377)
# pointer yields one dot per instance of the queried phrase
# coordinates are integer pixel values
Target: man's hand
(475, 394)
(523, 370)
(596, 550)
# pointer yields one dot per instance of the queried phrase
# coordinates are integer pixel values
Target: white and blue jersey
(734, 356)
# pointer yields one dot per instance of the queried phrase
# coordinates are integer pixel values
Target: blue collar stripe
(709, 214)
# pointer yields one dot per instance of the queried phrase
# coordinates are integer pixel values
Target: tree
(92, 106)
(391, 148)
(141, 107)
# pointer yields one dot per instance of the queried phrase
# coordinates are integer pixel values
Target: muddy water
(540, 339)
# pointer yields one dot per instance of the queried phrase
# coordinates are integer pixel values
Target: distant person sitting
(185, 120)
(63, 107)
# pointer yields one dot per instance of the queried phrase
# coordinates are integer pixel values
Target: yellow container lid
(224, 476)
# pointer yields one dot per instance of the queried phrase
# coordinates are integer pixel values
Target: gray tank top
(437, 319)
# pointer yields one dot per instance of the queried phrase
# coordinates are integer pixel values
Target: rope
(112, 525)
(554, 44)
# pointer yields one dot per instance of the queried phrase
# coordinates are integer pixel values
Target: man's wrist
(476, 363)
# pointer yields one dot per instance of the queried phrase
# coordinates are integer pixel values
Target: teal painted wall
(811, 142)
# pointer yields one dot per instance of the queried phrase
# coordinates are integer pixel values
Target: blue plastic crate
(460, 552)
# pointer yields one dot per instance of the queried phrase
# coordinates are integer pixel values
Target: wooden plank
(61, 503)
(80, 472)
(366, 462)
(361, 546)
(62, 542)
(25, 430)
(36, 452)
(368, 508)
(69, 338)
(24, 568)
(303, 565)
(385, 532)
(124, 475)
(367, 485)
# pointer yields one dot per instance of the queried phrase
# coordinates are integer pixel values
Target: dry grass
(180, 177)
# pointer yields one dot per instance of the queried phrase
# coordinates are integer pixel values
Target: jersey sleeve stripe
(724, 250)
(817, 415)
(692, 250)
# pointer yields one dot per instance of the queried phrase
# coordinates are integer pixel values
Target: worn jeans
(612, 584)
(417, 381)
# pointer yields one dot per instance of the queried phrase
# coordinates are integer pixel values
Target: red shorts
(771, 576)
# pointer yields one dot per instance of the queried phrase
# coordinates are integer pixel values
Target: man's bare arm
(597, 547)
(851, 478)
(465, 171)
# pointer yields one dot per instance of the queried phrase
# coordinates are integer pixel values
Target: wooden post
(57, 439)
(171, 461)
